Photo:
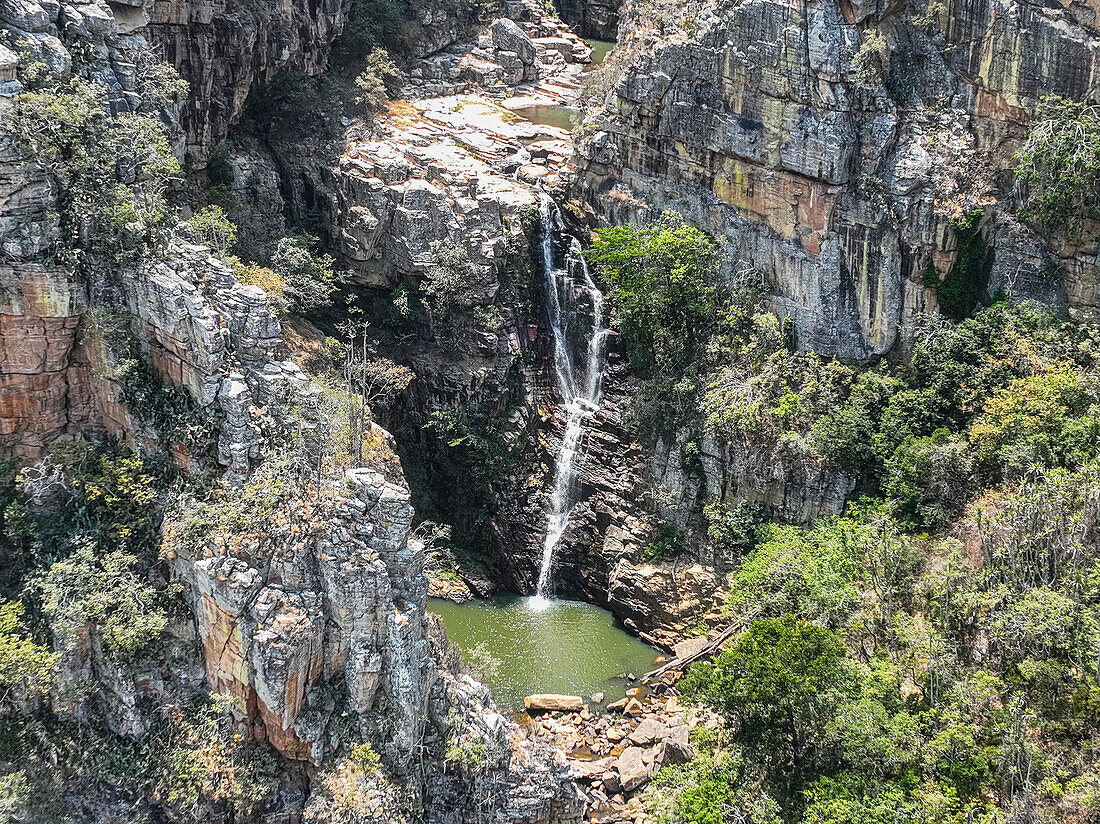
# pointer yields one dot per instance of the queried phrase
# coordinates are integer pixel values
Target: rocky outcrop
(330, 591)
(591, 19)
(792, 486)
(440, 175)
(833, 177)
(223, 48)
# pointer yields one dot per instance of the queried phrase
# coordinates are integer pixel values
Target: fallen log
(680, 663)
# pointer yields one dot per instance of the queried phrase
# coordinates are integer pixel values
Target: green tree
(735, 531)
(376, 82)
(662, 279)
(308, 279)
(26, 668)
(781, 681)
(449, 286)
(1059, 165)
(810, 573)
(213, 228)
(110, 173)
(930, 480)
(103, 594)
(1049, 418)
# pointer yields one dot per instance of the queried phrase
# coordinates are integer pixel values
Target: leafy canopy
(1059, 165)
(663, 278)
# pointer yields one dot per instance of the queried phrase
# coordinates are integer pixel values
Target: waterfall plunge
(580, 401)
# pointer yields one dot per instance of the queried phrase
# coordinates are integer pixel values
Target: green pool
(566, 647)
(600, 48)
(562, 117)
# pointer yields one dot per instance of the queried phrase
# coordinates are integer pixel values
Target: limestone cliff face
(224, 48)
(833, 181)
(594, 19)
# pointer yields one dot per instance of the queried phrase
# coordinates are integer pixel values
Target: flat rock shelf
(566, 647)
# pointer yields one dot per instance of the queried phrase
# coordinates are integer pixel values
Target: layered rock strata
(321, 609)
(829, 145)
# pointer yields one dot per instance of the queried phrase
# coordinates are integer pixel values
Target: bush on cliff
(309, 279)
(1059, 167)
(663, 285)
(110, 173)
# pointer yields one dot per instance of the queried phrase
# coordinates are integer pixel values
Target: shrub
(162, 84)
(845, 437)
(1059, 166)
(212, 227)
(467, 748)
(872, 61)
(713, 789)
(309, 280)
(375, 83)
(929, 480)
(370, 24)
(668, 540)
(26, 669)
(203, 761)
(804, 572)
(252, 274)
(109, 173)
(1049, 418)
(736, 531)
(103, 593)
(450, 284)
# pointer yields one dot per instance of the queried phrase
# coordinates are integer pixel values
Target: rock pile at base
(614, 756)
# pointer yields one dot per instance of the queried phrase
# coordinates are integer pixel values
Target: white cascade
(580, 401)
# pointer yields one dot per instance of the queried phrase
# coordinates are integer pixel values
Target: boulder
(509, 37)
(690, 646)
(25, 15)
(550, 702)
(650, 731)
(677, 748)
(633, 772)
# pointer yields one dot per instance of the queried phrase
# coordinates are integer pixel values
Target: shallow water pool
(562, 117)
(600, 48)
(568, 647)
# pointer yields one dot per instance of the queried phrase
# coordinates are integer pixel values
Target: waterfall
(581, 401)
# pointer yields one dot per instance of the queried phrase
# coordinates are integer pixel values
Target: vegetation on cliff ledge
(932, 654)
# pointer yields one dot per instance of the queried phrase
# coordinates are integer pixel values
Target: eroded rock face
(337, 593)
(834, 183)
(592, 19)
(223, 48)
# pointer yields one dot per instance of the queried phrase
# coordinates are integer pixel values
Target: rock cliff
(829, 145)
(315, 608)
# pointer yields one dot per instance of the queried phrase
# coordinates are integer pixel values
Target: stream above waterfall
(567, 647)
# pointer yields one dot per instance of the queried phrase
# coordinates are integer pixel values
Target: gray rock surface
(836, 187)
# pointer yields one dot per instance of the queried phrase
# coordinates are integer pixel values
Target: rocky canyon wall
(829, 145)
(317, 610)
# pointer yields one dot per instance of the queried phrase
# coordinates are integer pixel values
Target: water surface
(564, 117)
(600, 48)
(568, 647)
